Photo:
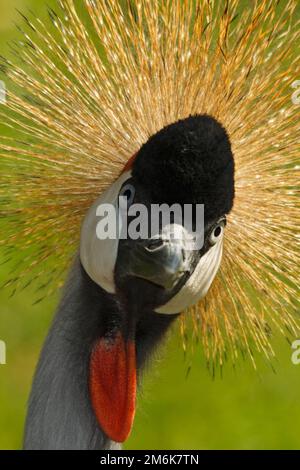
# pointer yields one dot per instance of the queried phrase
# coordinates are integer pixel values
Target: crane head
(154, 239)
(163, 220)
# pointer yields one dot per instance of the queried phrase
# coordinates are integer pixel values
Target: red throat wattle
(113, 386)
(112, 379)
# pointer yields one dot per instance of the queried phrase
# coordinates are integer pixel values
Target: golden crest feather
(85, 94)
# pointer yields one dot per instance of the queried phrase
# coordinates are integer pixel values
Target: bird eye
(128, 192)
(217, 232)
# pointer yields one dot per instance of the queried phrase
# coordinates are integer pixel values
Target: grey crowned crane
(123, 295)
(183, 86)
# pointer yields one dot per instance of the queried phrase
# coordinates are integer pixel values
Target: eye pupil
(217, 231)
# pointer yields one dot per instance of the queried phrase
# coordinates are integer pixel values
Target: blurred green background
(243, 409)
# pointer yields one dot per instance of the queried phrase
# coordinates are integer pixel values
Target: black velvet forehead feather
(189, 161)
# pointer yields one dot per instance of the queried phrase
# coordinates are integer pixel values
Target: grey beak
(160, 261)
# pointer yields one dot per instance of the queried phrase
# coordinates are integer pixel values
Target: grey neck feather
(60, 414)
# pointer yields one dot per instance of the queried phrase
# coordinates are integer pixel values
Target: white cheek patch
(98, 256)
(198, 284)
